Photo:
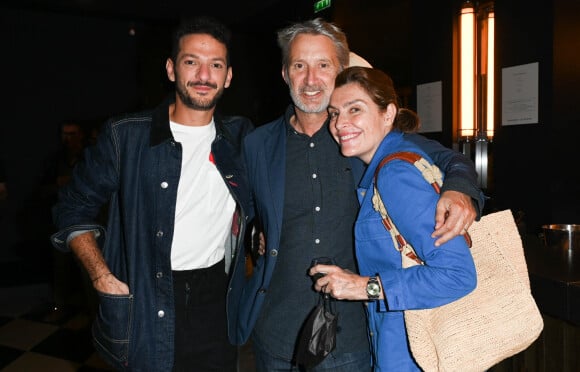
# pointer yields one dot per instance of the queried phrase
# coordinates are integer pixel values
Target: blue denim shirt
(135, 168)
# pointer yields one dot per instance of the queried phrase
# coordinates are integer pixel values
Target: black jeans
(201, 340)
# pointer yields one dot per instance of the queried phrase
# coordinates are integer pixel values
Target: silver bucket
(564, 237)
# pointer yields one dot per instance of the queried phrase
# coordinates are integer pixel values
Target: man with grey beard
(304, 194)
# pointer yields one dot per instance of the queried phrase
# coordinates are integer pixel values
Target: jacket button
(274, 252)
(164, 185)
(160, 313)
(159, 275)
(159, 234)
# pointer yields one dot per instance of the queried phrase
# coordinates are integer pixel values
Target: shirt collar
(160, 129)
(291, 111)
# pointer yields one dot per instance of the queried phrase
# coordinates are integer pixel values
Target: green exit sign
(321, 5)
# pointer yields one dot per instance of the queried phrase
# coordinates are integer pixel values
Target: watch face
(373, 289)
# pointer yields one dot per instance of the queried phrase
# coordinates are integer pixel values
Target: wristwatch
(373, 288)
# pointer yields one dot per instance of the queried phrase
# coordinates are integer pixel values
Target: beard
(308, 108)
(198, 103)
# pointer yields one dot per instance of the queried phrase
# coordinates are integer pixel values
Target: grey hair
(316, 26)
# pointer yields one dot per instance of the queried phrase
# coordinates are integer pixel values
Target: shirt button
(160, 314)
(159, 275)
(164, 185)
(314, 175)
(159, 234)
(317, 241)
(312, 144)
(317, 209)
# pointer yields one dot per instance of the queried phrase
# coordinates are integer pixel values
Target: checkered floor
(37, 337)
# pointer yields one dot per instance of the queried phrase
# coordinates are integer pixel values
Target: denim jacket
(135, 168)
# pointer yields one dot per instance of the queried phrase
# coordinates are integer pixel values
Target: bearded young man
(177, 199)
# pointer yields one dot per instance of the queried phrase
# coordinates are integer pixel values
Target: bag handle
(431, 174)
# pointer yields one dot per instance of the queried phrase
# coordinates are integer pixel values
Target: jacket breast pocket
(112, 328)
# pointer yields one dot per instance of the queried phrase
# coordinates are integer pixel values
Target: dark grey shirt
(320, 208)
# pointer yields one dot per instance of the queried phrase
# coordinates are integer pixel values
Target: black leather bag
(318, 335)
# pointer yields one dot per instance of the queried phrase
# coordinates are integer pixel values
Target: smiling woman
(363, 110)
(366, 122)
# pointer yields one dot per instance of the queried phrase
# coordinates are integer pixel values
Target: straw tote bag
(497, 320)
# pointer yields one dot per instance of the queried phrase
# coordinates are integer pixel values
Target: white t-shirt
(204, 210)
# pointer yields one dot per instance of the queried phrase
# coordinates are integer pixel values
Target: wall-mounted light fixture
(475, 98)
